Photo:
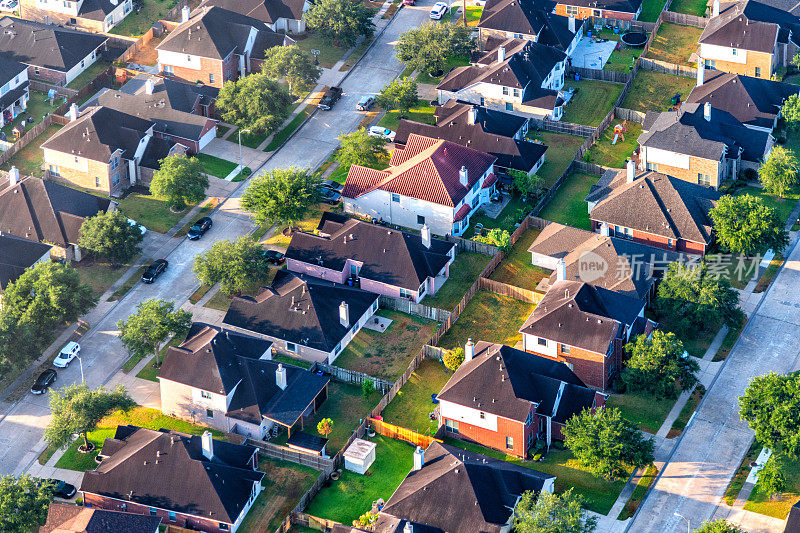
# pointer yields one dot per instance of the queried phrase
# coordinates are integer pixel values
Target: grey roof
(655, 203)
(269, 11)
(179, 95)
(793, 520)
(69, 518)
(751, 25)
(301, 310)
(9, 69)
(530, 17)
(96, 9)
(457, 491)
(167, 469)
(157, 149)
(17, 254)
(752, 101)
(45, 45)
(13, 95)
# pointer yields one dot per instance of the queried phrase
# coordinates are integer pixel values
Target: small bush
(367, 387)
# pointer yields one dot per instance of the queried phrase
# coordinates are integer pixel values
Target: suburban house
(613, 263)
(214, 45)
(280, 15)
(700, 144)
(615, 12)
(107, 150)
(177, 95)
(304, 317)
(749, 38)
(755, 102)
(430, 182)
(380, 260)
(528, 20)
(495, 132)
(503, 398)
(47, 212)
(586, 327)
(68, 518)
(654, 209)
(53, 54)
(17, 255)
(97, 16)
(515, 75)
(14, 91)
(450, 489)
(189, 481)
(228, 381)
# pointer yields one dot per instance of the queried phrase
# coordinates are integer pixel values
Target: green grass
(29, 159)
(386, 355)
(452, 62)
(329, 54)
(216, 166)
(560, 152)
(286, 359)
(149, 371)
(309, 223)
(412, 405)
(727, 343)
(128, 284)
(737, 482)
(138, 416)
(592, 101)
(509, 218)
(686, 412)
(652, 91)
(621, 60)
(696, 344)
(783, 206)
(88, 75)
(290, 128)
(474, 15)
(488, 317)
(651, 9)
(150, 211)
(254, 140)
(644, 411)
(222, 130)
(674, 43)
(99, 274)
(738, 269)
(137, 24)
(352, 494)
(769, 273)
(422, 113)
(638, 493)
(690, 7)
(762, 502)
(614, 156)
(463, 272)
(516, 269)
(568, 205)
(38, 106)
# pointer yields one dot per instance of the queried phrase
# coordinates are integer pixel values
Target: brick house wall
(55, 77)
(659, 241)
(85, 173)
(593, 368)
(763, 60)
(497, 439)
(717, 170)
(589, 12)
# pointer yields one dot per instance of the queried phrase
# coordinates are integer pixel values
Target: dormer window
(734, 51)
(482, 415)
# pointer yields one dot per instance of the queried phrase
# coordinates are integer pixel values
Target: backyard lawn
(386, 355)
(560, 152)
(150, 211)
(591, 102)
(412, 405)
(512, 214)
(352, 494)
(690, 7)
(38, 106)
(488, 317)
(762, 502)
(568, 206)
(651, 9)
(309, 223)
(614, 155)
(516, 269)
(91, 72)
(137, 24)
(29, 159)
(674, 43)
(621, 60)
(422, 113)
(644, 411)
(652, 91)
(463, 273)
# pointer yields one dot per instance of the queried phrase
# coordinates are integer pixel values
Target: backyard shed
(359, 456)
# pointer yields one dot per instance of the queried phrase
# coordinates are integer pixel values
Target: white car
(134, 223)
(386, 133)
(67, 354)
(9, 5)
(438, 10)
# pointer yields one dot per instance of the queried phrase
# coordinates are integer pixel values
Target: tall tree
(77, 409)
(23, 503)
(771, 405)
(361, 148)
(110, 235)
(607, 444)
(746, 225)
(145, 331)
(657, 365)
(235, 264)
(282, 195)
(180, 180)
(255, 102)
(779, 172)
(718, 526)
(341, 21)
(428, 47)
(791, 109)
(771, 479)
(292, 64)
(552, 513)
(400, 94)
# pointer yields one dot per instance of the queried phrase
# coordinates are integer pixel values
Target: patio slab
(378, 323)
(591, 54)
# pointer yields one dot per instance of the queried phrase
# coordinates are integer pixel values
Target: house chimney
(73, 112)
(572, 23)
(13, 176)
(605, 231)
(280, 376)
(185, 13)
(408, 528)
(469, 350)
(701, 71)
(149, 86)
(472, 115)
(208, 445)
(419, 458)
(715, 8)
(501, 54)
(344, 314)
(426, 236)
(463, 176)
(630, 167)
(707, 111)
(561, 271)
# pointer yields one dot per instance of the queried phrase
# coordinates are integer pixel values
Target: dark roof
(389, 256)
(68, 518)
(301, 310)
(45, 45)
(179, 95)
(157, 149)
(582, 315)
(13, 95)
(490, 120)
(752, 101)
(167, 469)
(655, 203)
(793, 520)
(268, 11)
(506, 382)
(9, 69)
(17, 254)
(306, 441)
(531, 18)
(96, 9)
(751, 25)
(46, 211)
(624, 6)
(457, 490)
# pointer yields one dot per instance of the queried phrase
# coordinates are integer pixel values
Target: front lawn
(644, 411)
(686, 412)
(29, 159)
(463, 272)
(591, 102)
(760, 501)
(560, 152)
(488, 317)
(328, 53)
(309, 223)
(651, 9)
(614, 155)
(88, 75)
(352, 494)
(512, 215)
(412, 406)
(137, 24)
(674, 43)
(738, 269)
(638, 493)
(99, 274)
(652, 91)
(39, 105)
(696, 344)
(783, 206)
(736, 484)
(386, 355)
(216, 166)
(516, 269)
(422, 113)
(690, 7)
(150, 211)
(452, 62)
(568, 205)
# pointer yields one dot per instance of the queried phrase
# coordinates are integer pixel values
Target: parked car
(408, 2)
(9, 5)
(67, 354)
(274, 257)
(386, 133)
(199, 228)
(438, 10)
(133, 223)
(330, 97)
(154, 270)
(366, 103)
(43, 382)
(335, 185)
(63, 489)
(329, 196)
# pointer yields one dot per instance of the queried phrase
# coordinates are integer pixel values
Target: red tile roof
(489, 181)
(461, 213)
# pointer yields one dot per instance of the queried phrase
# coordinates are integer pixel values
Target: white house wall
(176, 59)
(78, 68)
(468, 415)
(378, 204)
(531, 342)
(664, 157)
(723, 53)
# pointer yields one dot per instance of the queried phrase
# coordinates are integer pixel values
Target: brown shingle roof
(68, 518)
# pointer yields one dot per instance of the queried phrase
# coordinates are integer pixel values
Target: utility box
(359, 456)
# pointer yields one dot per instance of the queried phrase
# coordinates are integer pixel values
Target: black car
(274, 257)
(43, 382)
(334, 185)
(63, 489)
(154, 270)
(329, 196)
(329, 98)
(199, 228)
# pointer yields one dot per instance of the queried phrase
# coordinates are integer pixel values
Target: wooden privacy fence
(398, 432)
(630, 115)
(684, 19)
(412, 308)
(667, 68)
(351, 376)
(135, 47)
(468, 245)
(552, 191)
(590, 168)
(309, 521)
(285, 453)
(568, 128)
(511, 291)
(600, 75)
(25, 139)
(392, 392)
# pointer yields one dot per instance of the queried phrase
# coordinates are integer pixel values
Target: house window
(210, 78)
(54, 170)
(482, 415)
(223, 526)
(396, 197)
(597, 13)
(153, 511)
(76, 158)
(565, 349)
(510, 443)
(670, 243)
(529, 420)
(451, 425)
(36, 70)
(475, 201)
(505, 91)
(292, 347)
(628, 233)
(704, 179)
(168, 70)
(509, 106)
(114, 163)
(572, 10)
(189, 59)
(337, 349)
(172, 516)
(652, 166)
(711, 64)
(205, 394)
(733, 51)
(420, 219)
(516, 93)
(83, 62)
(542, 342)
(517, 36)
(209, 413)
(354, 270)
(115, 179)
(374, 306)
(97, 181)
(405, 293)
(758, 72)
(482, 101)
